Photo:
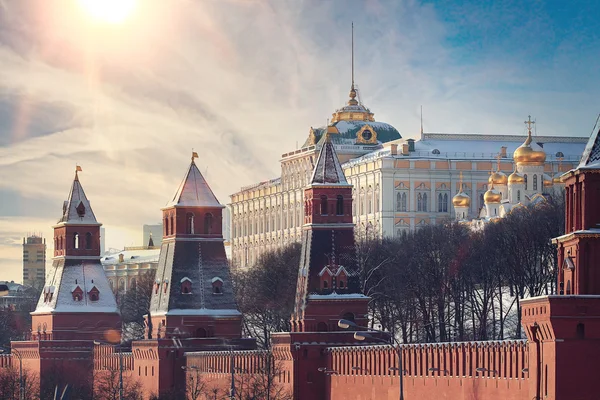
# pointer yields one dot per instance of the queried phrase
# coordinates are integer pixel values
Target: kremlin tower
(76, 302)
(193, 295)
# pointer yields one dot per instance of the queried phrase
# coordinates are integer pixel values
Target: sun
(111, 11)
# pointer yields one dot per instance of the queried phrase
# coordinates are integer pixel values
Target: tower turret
(193, 295)
(328, 288)
(77, 301)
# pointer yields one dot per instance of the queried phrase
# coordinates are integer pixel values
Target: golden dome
(515, 177)
(556, 178)
(498, 178)
(461, 200)
(548, 181)
(492, 196)
(528, 154)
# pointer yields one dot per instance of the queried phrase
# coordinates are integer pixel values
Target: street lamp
(21, 383)
(361, 336)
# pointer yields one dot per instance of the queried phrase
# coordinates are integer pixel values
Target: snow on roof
(334, 296)
(194, 191)
(591, 154)
(185, 278)
(132, 257)
(63, 277)
(201, 312)
(77, 209)
(215, 279)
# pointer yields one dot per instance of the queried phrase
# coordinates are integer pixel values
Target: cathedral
(527, 184)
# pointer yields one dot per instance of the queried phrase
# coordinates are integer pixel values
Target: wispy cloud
(241, 82)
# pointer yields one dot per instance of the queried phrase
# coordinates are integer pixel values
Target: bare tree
(106, 385)
(10, 385)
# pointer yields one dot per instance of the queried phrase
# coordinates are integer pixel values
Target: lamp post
(361, 336)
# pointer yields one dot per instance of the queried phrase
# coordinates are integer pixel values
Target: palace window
(401, 201)
(339, 209)
(422, 202)
(442, 202)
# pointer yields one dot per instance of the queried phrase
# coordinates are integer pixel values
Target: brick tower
(327, 287)
(193, 294)
(76, 301)
(564, 329)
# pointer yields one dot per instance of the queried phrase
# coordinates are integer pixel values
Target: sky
(242, 81)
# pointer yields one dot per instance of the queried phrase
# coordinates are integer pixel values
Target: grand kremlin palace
(399, 184)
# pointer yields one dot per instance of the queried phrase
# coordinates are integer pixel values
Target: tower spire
(352, 101)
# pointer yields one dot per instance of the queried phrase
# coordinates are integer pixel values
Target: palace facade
(398, 184)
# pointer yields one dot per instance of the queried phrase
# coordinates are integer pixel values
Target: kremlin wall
(194, 329)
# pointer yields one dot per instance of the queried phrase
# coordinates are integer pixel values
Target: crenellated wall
(468, 370)
(5, 360)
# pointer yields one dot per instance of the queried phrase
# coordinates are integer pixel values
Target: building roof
(194, 191)
(348, 130)
(328, 169)
(63, 277)
(132, 257)
(591, 154)
(77, 209)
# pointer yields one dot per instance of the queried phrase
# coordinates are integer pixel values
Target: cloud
(240, 82)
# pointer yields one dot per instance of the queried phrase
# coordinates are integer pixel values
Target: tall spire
(328, 169)
(352, 101)
(77, 209)
(194, 191)
(591, 154)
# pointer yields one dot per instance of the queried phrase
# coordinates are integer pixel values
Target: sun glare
(111, 11)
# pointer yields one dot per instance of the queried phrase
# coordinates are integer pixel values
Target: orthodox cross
(529, 122)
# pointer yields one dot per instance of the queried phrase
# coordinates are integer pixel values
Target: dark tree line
(444, 282)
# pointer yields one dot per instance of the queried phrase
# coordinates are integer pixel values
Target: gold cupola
(556, 179)
(548, 181)
(461, 199)
(516, 177)
(492, 196)
(529, 153)
(498, 178)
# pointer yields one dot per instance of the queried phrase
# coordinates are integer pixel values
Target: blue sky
(242, 81)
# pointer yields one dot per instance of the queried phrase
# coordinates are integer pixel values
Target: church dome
(498, 178)
(492, 196)
(529, 153)
(548, 181)
(461, 200)
(515, 177)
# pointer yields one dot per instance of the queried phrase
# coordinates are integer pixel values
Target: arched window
(445, 202)
(172, 226)
(208, 223)
(568, 287)
(518, 195)
(525, 181)
(189, 225)
(348, 316)
(339, 209)
(404, 204)
(201, 333)
(440, 202)
(167, 233)
(399, 202)
(419, 202)
(88, 241)
(323, 205)
(341, 284)
(535, 180)
(76, 240)
(424, 201)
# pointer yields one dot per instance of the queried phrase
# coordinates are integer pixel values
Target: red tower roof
(77, 209)
(194, 191)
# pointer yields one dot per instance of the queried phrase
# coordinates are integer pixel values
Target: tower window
(535, 182)
(580, 331)
(88, 241)
(518, 195)
(166, 226)
(94, 294)
(76, 240)
(208, 223)
(340, 205)
(190, 224)
(217, 285)
(323, 205)
(525, 181)
(186, 285)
